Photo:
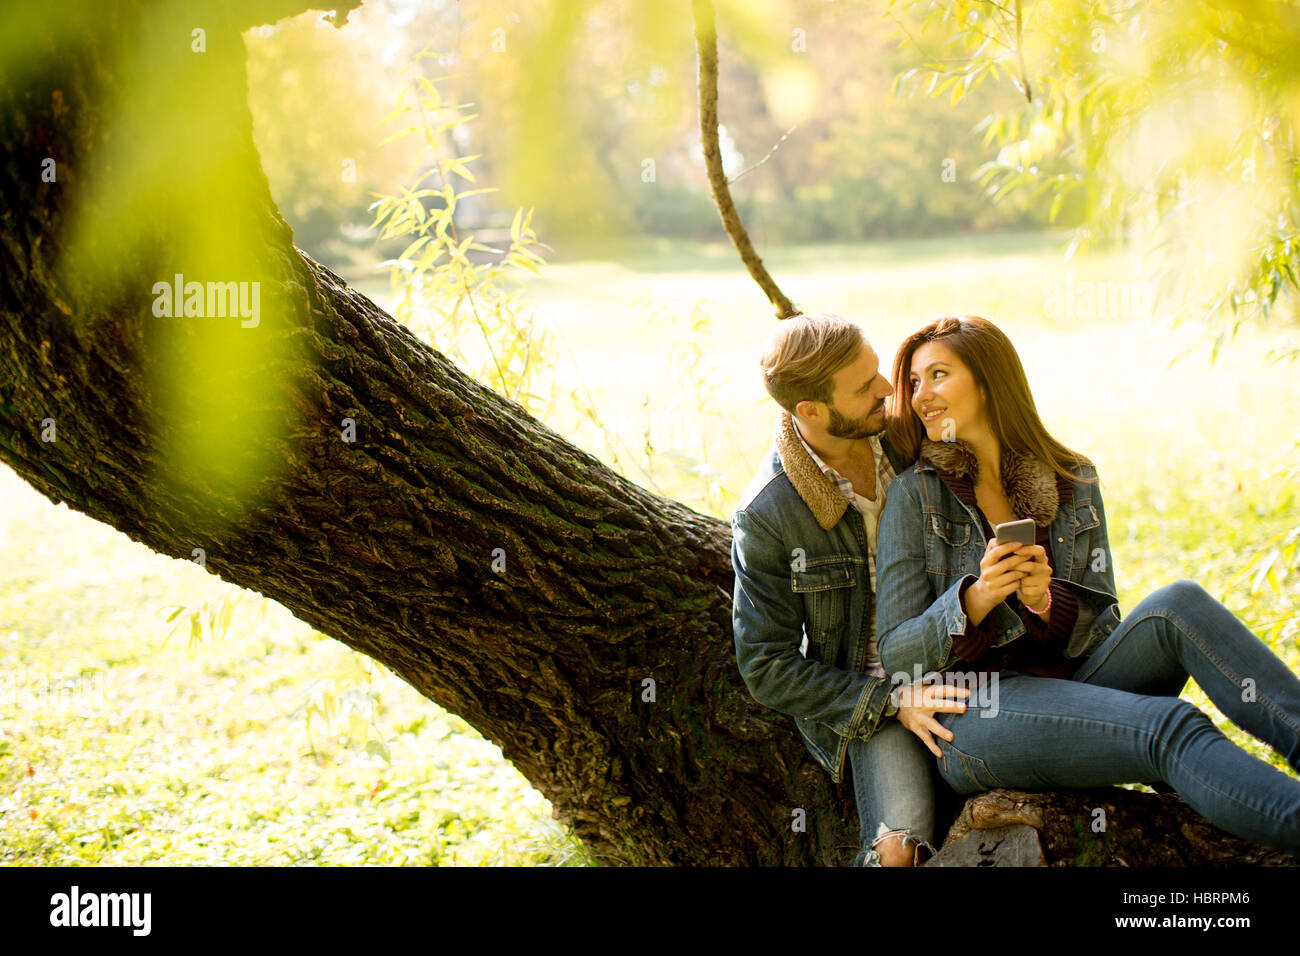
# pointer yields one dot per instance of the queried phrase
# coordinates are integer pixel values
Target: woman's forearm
(977, 602)
(917, 632)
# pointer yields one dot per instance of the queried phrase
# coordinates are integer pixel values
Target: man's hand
(918, 703)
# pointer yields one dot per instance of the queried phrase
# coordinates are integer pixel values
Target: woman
(1080, 698)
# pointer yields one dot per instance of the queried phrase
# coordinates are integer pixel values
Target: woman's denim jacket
(803, 607)
(930, 543)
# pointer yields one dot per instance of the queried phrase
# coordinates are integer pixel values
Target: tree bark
(1106, 826)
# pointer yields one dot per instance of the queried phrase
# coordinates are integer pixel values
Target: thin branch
(706, 48)
(455, 237)
(746, 172)
(1020, 55)
(991, 38)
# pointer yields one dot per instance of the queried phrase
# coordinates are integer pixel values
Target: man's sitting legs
(894, 785)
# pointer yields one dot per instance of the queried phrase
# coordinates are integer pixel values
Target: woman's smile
(944, 393)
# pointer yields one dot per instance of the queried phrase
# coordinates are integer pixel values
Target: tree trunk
(311, 449)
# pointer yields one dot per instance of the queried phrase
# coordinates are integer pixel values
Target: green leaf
(435, 98)
(413, 247)
(450, 123)
(1057, 200)
(458, 166)
(396, 136)
(401, 108)
(224, 618)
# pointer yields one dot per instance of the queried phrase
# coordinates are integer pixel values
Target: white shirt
(870, 511)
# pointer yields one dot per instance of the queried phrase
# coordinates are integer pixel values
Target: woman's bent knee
(1181, 594)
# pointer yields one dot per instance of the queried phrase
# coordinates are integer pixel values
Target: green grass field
(127, 739)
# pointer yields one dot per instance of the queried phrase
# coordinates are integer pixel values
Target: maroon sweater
(1039, 650)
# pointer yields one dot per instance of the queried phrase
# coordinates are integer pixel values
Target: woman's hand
(1000, 577)
(1032, 589)
(917, 705)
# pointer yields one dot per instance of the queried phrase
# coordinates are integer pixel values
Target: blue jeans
(894, 785)
(1119, 720)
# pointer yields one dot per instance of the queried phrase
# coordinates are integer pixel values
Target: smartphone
(1022, 531)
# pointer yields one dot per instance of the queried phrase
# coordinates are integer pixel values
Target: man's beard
(841, 427)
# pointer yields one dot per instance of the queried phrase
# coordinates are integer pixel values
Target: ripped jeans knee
(921, 849)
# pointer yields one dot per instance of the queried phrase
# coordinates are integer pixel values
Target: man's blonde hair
(804, 355)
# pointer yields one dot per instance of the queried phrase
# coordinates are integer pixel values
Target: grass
(124, 742)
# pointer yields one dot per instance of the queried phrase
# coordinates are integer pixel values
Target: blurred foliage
(1172, 125)
(444, 281)
(165, 163)
(688, 434)
(317, 94)
(1275, 563)
(216, 615)
(460, 295)
(588, 112)
(1168, 125)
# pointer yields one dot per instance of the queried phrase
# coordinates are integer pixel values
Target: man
(803, 548)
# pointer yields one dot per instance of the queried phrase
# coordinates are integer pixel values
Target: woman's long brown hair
(993, 361)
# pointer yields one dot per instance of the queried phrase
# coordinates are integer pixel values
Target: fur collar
(1030, 486)
(818, 492)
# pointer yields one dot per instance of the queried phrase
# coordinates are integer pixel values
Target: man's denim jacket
(802, 609)
(930, 543)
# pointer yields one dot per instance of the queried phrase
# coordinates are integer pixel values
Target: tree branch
(706, 48)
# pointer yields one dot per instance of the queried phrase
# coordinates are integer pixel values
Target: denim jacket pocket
(827, 588)
(1085, 520)
(947, 542)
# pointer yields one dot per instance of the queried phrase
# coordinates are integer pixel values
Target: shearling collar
(1029, 484)
(818, 492)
